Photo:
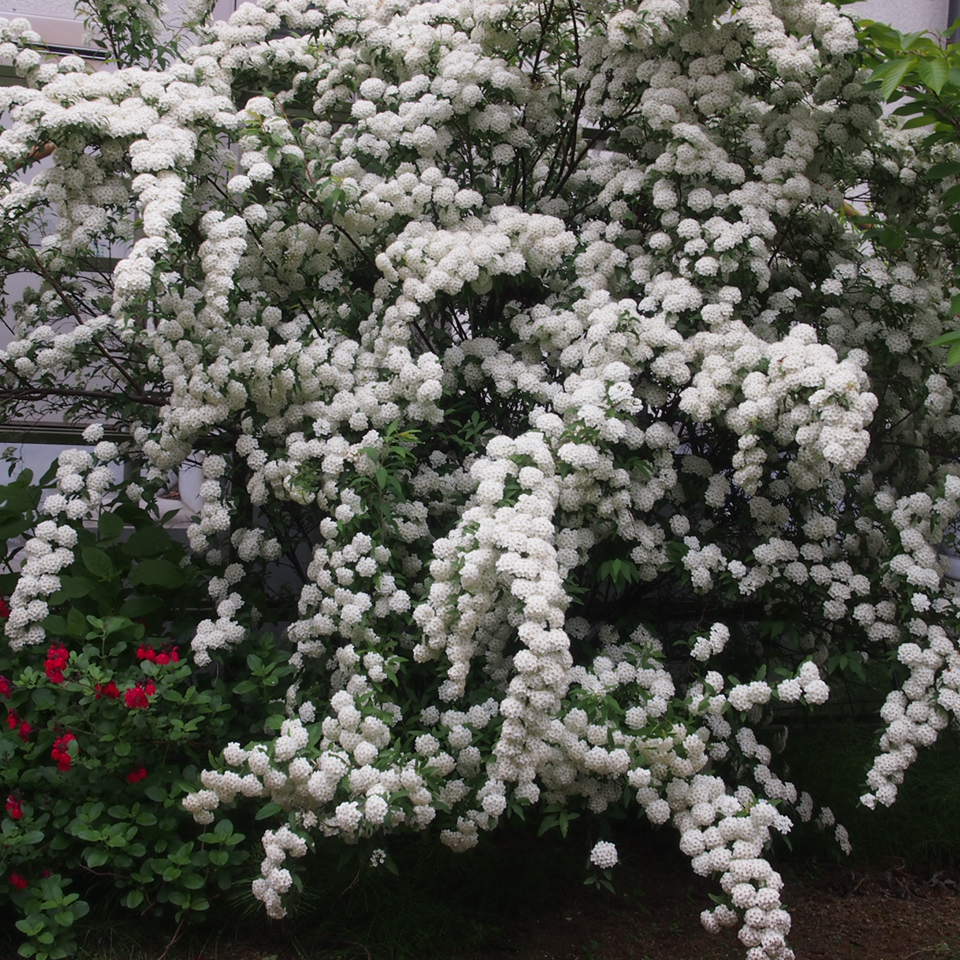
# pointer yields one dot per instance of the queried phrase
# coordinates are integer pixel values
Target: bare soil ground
(885, 912)
(838, 914)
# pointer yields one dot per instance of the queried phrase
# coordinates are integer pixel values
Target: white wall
(64, 8)
(905, 15)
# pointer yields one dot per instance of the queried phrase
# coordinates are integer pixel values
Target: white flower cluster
(488, 344)
(82, 480)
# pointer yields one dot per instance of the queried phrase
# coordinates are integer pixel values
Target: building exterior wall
(905, 15)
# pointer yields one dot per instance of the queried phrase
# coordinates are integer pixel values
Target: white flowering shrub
(534, 340)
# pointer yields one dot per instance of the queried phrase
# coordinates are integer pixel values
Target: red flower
(137, 698)
(57, 659)
(135, 776)
(6, 687)
(4, 608)
(19, 881)
(110, 690)
(14, 722)
(61, 753)
(13, 807)
(167, 655)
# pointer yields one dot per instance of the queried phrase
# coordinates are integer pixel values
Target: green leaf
(952, 195)
(158, 572)
(147, 542)
(136, 607)
(268, 810)
(953, 357)
(133, 899)
(73, 588)
(31, 924)
(156, 793)
(111, 526)
(949, 168)
(951, 337)
(55, 624)
(96, 857)
(891, 75)
(76, 623)
(916, 122)
(933, 72)
(97, 562)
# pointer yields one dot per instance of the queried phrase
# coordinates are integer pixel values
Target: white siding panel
(905, 15)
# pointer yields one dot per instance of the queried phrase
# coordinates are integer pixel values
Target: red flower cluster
(137, 698)
(6, 687)
(110, 690)
(166, 655)
(57, 657)
(4, 608)
(19, 881)
(60, 753)
(135, 776)
(14, 808)
(21, 726)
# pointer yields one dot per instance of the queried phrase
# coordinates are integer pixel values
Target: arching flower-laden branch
(533, 340)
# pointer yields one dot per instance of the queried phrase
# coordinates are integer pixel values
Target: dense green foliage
(106, 729)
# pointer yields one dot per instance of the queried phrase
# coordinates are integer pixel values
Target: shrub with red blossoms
(161, 657)
(61, 752)
(23, 727)
(57, 658)
(135, 776)
(6, 687)
(19, 881)
(4, 608)
(14, 808)
(110, 690)
(138, 697)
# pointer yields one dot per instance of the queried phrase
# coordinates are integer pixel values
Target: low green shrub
(105, 730)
